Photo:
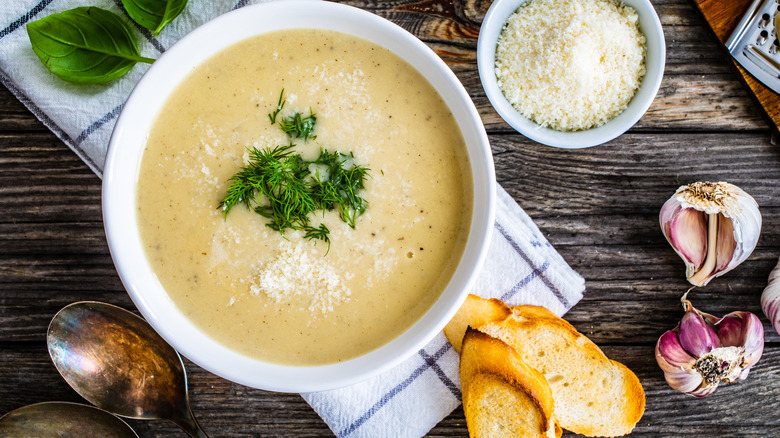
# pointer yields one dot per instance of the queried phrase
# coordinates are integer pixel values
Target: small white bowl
(124, 159)
(655, 59)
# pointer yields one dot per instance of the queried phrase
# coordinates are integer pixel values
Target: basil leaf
(154, 14)
(86, 45)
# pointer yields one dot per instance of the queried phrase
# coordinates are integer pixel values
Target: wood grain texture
(598, 206)
(699, 91)
(723, 17)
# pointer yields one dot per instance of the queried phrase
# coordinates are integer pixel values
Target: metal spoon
(116, 361)
(63, 420)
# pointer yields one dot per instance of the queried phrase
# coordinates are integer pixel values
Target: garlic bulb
(703, 351)
(713, 227)
(770, 298)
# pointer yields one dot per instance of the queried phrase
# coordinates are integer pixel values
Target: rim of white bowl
(655, 61)
(124, 158)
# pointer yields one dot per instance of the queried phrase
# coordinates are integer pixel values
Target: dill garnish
(297, 126)
(279, 106)
(278, 184)
(344, 182)
(283, 187)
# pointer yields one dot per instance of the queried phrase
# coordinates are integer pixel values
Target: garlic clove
(730, 330)
(696, 337)
(672, 352)
(704, 350)
(687, 234)
(747, 226)
(726, 243)
(753, 342)
(770, 298)
(746, 330)
(669, 210)
(676, 363)
(732, 224)
(741, 329)
(703, 391)
(687, 382)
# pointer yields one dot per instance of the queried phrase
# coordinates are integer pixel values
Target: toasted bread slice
(474, 312)
(594, 395)
(502, 395)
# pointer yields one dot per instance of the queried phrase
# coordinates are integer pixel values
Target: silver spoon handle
(190, 425)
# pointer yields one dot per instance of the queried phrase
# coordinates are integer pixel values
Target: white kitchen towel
(83, 116)
(407, 401)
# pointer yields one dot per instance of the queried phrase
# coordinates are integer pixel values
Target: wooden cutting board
(723, 17)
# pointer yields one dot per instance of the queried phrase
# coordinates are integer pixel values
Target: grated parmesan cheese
(294, 276)
(571, 65)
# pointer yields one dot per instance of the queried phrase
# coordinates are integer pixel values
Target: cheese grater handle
(744, 25)
(754, 43)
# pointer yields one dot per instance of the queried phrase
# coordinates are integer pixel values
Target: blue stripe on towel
(25, 18)
(395, 391)
(536, 270)
(440, 373)
(40, 113)
(98, 123)
(521, 284)
(42, 5)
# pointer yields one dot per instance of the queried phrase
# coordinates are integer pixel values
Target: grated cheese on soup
(294, 272)
(571, 65)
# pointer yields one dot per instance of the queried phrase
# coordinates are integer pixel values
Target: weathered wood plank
(14, 116)
(700, 91)
(690, 101)
(684, 103)
(223, 408)
(59, 187)
(632, 294)
(226, 409)
(634, 173)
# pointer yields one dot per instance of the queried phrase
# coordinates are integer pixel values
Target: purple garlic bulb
(703, 351)
(713, 227)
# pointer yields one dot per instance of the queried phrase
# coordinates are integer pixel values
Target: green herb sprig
(279, 107)
(295, 126)
(343, 185)
(278, 184)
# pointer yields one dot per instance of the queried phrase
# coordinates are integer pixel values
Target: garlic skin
(713, 227)
(703, 350)
(770, 298)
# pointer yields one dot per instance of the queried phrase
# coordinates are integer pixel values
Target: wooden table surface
(599, 207)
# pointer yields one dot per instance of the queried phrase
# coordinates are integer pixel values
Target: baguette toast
(593, 395)
(503, 396)
(475, 312)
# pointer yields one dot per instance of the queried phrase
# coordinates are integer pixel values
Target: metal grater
(754, 43)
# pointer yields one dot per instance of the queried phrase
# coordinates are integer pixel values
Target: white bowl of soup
(272, 307)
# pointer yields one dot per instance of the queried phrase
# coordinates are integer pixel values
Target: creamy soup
(283, 298)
